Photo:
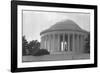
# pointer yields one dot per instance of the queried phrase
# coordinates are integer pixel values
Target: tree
(87, 45)
(34, 46)
(31, 47)
(24, 46)
(34, 49)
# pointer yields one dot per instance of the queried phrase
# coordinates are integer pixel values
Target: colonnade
(63, 42)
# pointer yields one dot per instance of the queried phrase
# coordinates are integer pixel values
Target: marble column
(58, 42)
(53, 42)
(41, 42)
(75, 49)
(73, 43)
(82, 44)
(47, 46)
(78, 43)
(63, 41)
(45, 42)
(68, 42)
(49, 42)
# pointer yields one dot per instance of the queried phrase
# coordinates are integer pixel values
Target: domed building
(63, 37)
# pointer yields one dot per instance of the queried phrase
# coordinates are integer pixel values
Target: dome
(63, 25)
(67, 24)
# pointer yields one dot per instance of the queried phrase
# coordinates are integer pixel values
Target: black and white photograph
(53, 36)
(50, 36)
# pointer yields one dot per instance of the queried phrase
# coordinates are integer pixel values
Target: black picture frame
(14, 27)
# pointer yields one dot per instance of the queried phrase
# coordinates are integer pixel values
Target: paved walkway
(55, 57)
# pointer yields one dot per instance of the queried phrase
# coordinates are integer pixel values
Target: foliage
(29, 48)
(34, 45)
(24, 46)
(87, 45)
(32, 48)
(41, 52)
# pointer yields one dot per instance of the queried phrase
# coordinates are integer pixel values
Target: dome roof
(63, 25)
(67, 24)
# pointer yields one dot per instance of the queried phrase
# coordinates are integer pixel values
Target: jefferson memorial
(64, 37)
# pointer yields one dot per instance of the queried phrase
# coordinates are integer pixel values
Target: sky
(36, 21)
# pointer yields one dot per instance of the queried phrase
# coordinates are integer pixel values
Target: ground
(53, 57)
